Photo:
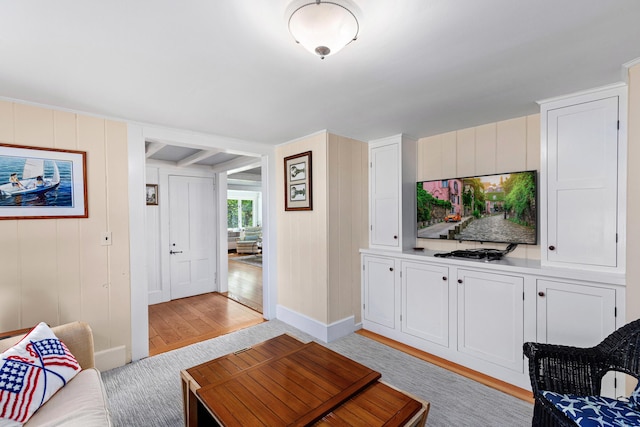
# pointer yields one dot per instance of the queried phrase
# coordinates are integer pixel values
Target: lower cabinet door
(491, 317)
(379, 290)
(572, 314)
(425, 302)
(576, 315)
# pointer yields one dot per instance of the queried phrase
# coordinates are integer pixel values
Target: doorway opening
(244, 238)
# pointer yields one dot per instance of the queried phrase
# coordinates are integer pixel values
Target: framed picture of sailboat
(40, 183)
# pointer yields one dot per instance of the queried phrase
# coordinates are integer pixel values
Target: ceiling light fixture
(323, 27)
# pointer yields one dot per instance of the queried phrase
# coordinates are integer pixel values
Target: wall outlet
(105, 238)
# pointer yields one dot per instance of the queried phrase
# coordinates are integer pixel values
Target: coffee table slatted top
(377, 405)
(226, 366)
(292, 389)
(295, 388)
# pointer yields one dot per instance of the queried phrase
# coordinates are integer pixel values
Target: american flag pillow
(31, 372)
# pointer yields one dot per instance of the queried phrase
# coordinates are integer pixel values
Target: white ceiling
(230, 67)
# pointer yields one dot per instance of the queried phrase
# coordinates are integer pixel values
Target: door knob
(552, 248)
(540, 294)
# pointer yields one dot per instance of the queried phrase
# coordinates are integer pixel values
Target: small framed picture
(152, 194)
(297, 182)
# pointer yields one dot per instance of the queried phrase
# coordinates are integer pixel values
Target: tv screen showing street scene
(498, 208)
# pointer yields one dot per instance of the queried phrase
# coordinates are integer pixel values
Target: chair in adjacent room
(566, 380)
(248, 242)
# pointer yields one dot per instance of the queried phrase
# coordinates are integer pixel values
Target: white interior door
(192, 236)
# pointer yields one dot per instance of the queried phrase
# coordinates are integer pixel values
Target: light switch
(105, 238)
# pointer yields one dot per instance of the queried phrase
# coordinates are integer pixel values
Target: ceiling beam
(196, 157)
(236, 164)
(153, 148)
(251, 177)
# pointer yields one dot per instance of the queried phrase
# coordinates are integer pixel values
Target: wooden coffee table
(283, 381)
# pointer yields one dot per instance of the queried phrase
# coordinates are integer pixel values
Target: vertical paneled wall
(506, 146)
(633, 195)
(302, 236)
(56, 270)
(348, 204)
(318, 251)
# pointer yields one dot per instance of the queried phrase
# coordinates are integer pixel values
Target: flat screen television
(499, 208)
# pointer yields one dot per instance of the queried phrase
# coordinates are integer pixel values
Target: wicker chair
(579, 371)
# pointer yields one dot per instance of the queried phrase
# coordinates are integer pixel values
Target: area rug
(255, 260)
(148, 392)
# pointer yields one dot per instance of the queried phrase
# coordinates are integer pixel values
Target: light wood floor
(245, 283)
(185, 321)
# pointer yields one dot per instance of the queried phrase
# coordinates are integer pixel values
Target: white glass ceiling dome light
(323, 27)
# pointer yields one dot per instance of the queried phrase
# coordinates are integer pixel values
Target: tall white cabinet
(583, 175)
(392, 187)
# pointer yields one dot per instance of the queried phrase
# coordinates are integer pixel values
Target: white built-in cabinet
(583, 175)
(569, 313)
(425, 302)
(490, 313)
(392, 187)
(379, 295)
(479, 314)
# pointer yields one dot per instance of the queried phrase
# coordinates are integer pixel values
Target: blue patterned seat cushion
(595, 410)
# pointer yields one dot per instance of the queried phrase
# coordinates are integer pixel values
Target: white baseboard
(111, 358)
(155, 297)
(318, 330)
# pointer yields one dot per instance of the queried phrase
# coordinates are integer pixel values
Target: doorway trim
(137, 135)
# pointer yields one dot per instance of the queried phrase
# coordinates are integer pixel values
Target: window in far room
(242, 209)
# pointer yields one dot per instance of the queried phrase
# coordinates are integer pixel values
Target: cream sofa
(83, 401)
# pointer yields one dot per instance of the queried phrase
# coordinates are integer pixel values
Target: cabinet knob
(459, 280)
(540, 294)
(395, 237)
(444, 277)
(552, 248)
(390, 268)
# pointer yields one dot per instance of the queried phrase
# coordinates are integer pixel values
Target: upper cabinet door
(582, 184)
(385, 195)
